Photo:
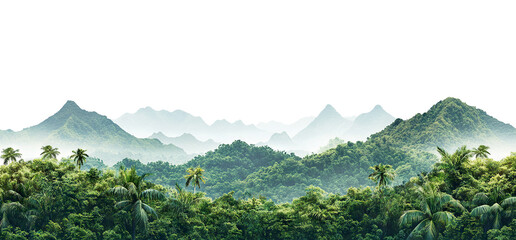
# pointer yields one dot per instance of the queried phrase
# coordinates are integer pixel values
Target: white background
(254, 60)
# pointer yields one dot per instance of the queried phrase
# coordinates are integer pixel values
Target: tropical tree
(492, 216)
(382, 175)
(181, 202)
(433, 216)
(79, 157)
(13, 215)
(195, 175)
(10, 154)
(132, 194)
(49, 152)
(453, 164)
(481, 151)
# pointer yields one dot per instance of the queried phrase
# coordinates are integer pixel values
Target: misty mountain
(368, 123)
(187, 142)
(226, 132)
(327, 125)
(147, 121)
(72, 127)
(450, 123)
(291, 129)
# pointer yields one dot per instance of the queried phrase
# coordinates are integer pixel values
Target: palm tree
(453, 164)
(194, 175)
(180, 202)
(79, 157)
(9, 154)
(481, 151)
(382, 175)
(49, 152)
(132, 194)
(492, 216)
(432, 218)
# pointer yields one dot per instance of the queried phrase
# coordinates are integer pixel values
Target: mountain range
(409, 146)
(303, 136)
(72, 127)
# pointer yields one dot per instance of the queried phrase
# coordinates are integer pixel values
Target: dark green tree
(79, 157)
(492, 216)
(195, 175)
(382, 175)
(10, 154)
(49, 152)
(481, 151)
(132, 193)
(453, 164)
(432, 218)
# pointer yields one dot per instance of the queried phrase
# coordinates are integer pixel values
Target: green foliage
(50, 199)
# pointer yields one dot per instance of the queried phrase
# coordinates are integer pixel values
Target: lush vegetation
(249, 170)
(50, 199)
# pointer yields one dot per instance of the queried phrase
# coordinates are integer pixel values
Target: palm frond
(149, 210)
(480, 210)
(119, 191)
(411, 217)
(152, 194)
(422, 226)
(444, 218)
(139, 215)
(431, 231)
(509, 202)
(123, 204)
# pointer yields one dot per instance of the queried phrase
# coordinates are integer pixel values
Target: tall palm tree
(195, 175)
(10, 154)
(49, 152)
(492, 216)
(432, 217)
(79, 157)
(382, 175)
(132, 194)
(481, 151)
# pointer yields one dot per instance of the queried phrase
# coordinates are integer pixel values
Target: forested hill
(227, 167)
(449, 124)
(253, 171)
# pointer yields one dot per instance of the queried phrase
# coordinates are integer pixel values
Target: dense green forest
(464, 196)
(249, 170)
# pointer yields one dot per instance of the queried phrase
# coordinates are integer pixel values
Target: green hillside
(449, 124)
(72, 127)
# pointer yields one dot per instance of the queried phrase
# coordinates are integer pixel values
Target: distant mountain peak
(377, 108)
(329, 107)
(329, 111)
(70, 105)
